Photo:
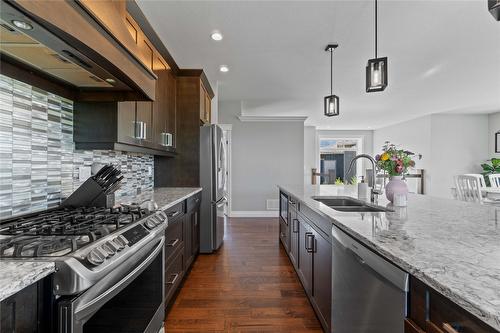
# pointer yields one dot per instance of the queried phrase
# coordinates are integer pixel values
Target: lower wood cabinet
(294, 239)
(182, 244)
(314, 261)
(431, 312)
(305, 256)
(30, 309)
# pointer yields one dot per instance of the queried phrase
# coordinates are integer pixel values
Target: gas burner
(62, 231)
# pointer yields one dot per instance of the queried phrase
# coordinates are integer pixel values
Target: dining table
(492, 193)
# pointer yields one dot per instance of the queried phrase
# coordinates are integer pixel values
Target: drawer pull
(197, 200)
(174, 214)
(173, 243)
(295, 226)
(174, 279)
(309, 244)
(448, 328)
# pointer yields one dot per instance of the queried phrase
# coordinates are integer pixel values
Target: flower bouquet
(395, 162)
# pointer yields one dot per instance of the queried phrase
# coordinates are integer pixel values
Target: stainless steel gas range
(109, 264)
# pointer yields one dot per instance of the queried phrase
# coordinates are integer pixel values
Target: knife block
(88, 194)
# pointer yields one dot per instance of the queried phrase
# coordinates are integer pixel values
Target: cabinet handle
(173, 243)
(306, 240)
(174, 214)
(174, 279)
(310, 242)
(295, 226)
(448, 328)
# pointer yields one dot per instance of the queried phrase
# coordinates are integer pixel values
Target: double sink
(347, 204)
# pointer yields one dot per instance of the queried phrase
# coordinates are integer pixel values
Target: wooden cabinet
(30, 309)
(431, 312)
(322, 277)
(164, 110)
(140, 126)
(294, 238)
(182, 239)
(305, 255)
(205, 105)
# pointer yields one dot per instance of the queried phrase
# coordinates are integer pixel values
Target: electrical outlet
(84, 173)
(150, 170)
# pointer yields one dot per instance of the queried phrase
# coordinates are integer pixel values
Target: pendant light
(331, 101)
(376, 69)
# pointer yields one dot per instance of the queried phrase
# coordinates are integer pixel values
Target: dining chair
(494, 179)
(479, 176)
(469, 188)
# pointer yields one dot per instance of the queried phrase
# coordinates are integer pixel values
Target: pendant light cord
(376, 5)
(331, 71)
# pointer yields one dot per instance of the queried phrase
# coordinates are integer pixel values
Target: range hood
(30, 40)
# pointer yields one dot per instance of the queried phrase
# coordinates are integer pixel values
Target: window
(335, 156)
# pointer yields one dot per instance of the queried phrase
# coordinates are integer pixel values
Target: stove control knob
(95, 257)
(108, 249)
(149, 224)
(121, 241)
(119, 244)
(157, 219)
(163, 216)
(114, 245)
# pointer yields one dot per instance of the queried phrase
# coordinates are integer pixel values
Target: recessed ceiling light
(22, 25)
(224, 69)
(216, 36)
(110, 81)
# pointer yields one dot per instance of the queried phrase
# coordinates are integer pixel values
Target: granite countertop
(17, 275)
(452, 246)
(166, 197)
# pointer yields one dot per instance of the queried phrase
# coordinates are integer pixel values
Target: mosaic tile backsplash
(39, 166)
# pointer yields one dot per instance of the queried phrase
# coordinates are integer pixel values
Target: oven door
(126, 300)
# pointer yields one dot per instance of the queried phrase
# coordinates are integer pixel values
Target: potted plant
(395, 162)
(489, 169)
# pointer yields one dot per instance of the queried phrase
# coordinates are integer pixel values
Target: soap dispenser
(362, 189)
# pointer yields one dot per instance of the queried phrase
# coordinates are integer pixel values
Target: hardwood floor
(249, 285)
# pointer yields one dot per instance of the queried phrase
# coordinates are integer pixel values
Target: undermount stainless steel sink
(346, 204)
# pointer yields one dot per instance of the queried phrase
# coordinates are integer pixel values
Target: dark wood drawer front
(174, 238)
(173, 275)
(193, 202)
(411, 327)
(176, 211)
(284, 235)
(447, 317)
(317, 220)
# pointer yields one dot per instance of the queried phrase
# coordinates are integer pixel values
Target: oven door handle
(97, 300)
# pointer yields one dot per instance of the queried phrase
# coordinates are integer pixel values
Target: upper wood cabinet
(114, 17)
(205, 105)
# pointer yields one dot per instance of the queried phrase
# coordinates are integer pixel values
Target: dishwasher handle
(375, 262)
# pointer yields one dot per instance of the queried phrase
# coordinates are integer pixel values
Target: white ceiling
(444, 56)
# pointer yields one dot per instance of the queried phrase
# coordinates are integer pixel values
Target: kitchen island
(450, 246)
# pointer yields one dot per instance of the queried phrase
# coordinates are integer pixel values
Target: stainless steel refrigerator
(213, 176)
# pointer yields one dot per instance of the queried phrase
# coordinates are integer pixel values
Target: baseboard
(254, 213)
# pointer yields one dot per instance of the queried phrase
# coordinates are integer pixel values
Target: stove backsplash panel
(39, 166)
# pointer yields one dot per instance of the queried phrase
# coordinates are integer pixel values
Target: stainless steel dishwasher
(369, 294)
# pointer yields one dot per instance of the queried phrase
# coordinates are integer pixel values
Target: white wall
(494, 126)
(264, 154)
(414, 135)
(459, 145)
(310, 152)
(451, 144)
